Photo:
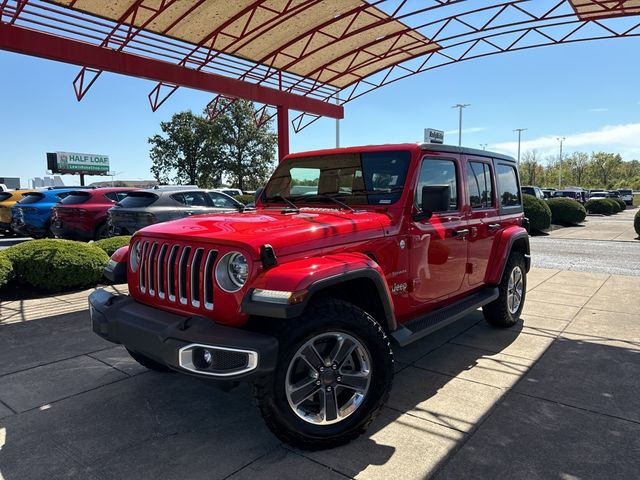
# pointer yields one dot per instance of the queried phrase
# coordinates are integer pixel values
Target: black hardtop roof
(435, 147)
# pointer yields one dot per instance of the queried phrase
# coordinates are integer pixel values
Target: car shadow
(152, 425)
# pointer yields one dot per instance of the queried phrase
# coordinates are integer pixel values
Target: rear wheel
(506, 309)
(102, 232)
(149, 363)
(334, 374)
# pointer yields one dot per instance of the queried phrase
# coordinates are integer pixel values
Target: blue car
(31, 216)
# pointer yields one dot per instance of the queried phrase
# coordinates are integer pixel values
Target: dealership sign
(70, 162)
(432, 135)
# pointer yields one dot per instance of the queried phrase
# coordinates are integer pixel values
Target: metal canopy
(307, 55)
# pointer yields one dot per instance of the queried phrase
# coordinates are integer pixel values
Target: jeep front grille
(177, 273)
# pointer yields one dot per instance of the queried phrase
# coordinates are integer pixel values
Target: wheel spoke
(343, 348)
(303, 390)
(330, 405)
(355, 381)
(312, 357)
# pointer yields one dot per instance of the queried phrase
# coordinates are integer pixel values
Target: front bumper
(179, 342)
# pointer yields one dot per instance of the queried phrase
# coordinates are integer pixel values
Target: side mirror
(435, 198)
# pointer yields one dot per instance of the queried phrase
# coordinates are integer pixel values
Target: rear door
(438, 246)
(483, 216)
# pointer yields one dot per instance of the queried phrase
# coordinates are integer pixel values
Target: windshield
(74, 198)
(370, 178)
(138, 199)
(31, 198)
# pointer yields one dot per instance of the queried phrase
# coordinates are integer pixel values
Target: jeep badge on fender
(347, 252)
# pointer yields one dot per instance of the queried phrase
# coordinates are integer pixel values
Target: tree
(248, 148)
(531, 172)
(188, 153)
(605, 166)
(577, 164)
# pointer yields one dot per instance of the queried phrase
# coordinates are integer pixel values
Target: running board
(421, 326)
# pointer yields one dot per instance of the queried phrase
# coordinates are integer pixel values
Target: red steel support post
(283, 132)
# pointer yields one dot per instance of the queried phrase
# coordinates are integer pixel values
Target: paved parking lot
(600, 227)
(556, 397)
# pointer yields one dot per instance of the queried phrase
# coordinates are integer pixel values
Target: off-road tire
(149, 363)
(497, 313)
(327, 315)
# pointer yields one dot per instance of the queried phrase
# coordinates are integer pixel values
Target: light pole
(114, 174)
(484, 145)
(337, 123)
(519, 130)
(561, 140)
(460, 106)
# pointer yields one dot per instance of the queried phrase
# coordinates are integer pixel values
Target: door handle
(494, 226)
(460, 233)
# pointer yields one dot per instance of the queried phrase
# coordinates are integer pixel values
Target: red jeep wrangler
(345, 250)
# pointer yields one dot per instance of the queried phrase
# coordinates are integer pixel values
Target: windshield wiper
(378, 192)
(285, 200)
(327, 197)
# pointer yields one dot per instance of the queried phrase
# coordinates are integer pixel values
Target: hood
(287, 233)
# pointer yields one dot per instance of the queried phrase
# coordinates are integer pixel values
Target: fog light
(207, 357)
(202, 358)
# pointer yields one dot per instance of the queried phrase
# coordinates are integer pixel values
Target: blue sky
(586, 92)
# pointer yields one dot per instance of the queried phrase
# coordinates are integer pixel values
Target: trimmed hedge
(55, 265)
(615, 206)
(244, 198)
(623, 206)
(565, 211)
(6, 270)
(599, 205)
(537, 211)
(636, 222)
(110, 245)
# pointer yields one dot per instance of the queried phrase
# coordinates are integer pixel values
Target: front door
(484, 216)
(438, 246)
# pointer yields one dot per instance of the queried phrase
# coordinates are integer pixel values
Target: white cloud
(601, 109)
(466, 130)
(623, 139)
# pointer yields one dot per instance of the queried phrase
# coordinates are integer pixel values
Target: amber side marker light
(279, 296)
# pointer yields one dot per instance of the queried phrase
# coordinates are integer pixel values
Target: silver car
(161, 204)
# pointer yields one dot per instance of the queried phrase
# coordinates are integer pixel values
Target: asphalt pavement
(10, 241)
(615, 258)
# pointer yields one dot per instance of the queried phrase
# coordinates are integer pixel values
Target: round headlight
(134, 257)
(232, 271)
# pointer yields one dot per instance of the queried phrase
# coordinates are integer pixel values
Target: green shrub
(110, 245)
(244, 198)
(615, 208)
(636, 222)
(537, 211)
(55, 265)
(565, 211)
(623, 206)
(6, 270)
(599, 205)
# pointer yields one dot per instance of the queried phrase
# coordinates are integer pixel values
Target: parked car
(599, 194)
(596, 191)
(547, 193)
(7, 200)
(31, 216)
(232, 192)
(577, 195)
(303, 295)
(626, 194)
(146, 207)
(533, 191)
(82, 215)
(613, 194)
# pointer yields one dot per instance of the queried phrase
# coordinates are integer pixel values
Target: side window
(111, 196)
(179, 197)
(196, 199)
(121, 196)
(438, 172)
(508, 186)
(220, 201)
(480, 185)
